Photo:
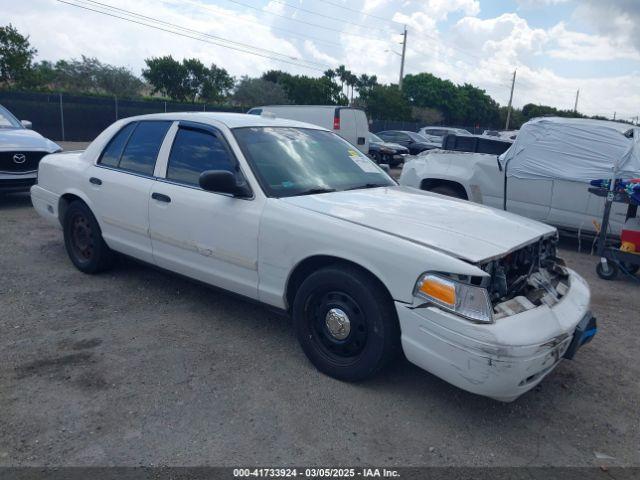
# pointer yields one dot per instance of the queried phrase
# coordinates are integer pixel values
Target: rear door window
(142, 149)
(195, 151)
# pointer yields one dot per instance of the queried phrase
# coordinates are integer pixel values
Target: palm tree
(342, 73)
(351, 82)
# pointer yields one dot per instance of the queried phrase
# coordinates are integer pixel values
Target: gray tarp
(573, 149)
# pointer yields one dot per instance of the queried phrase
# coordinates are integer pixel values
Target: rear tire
(83, 240)
(346, 323)
(445, 190)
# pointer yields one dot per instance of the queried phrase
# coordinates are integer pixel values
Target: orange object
(630, 236)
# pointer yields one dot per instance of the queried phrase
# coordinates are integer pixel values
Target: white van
(348, 122)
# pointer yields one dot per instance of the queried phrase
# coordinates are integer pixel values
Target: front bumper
(502, 360)
(17, 182)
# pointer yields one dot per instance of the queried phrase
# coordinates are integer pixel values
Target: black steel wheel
(83, 240)
(346, 322)
(608, 272)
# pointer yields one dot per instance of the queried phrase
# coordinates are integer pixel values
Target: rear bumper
(501, 360)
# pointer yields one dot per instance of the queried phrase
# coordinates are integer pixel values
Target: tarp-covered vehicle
(545, 173)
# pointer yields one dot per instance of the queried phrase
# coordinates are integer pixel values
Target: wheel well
(312, 264)
(64, 202)
(430, 183)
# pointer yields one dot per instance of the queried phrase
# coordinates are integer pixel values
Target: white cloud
(370, 5)
(503, 38)
(480, 51)
(581, 46)
(311, 48)
(62, 31)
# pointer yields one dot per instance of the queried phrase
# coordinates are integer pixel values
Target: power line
(302, 9)
(267, 27)
(291, 62)
(190, 30)
(306, 23)
(355, 10)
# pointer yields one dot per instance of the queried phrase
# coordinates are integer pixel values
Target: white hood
(462, 229)
(25, 139)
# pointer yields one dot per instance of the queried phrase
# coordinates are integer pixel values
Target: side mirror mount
(385, 167)
(223, 181)
(26, 124)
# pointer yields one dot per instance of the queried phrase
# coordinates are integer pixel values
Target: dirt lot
(138, 366)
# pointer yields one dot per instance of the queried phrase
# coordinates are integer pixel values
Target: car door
(119, 184)
(209, 236)
(530, 198)
(575, 208)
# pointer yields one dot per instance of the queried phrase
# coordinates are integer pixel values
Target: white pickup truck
(547, 170)
(294, 216)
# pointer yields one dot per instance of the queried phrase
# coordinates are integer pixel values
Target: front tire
(83, 240)
(346, 323)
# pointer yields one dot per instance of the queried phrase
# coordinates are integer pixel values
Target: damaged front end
(526, 278)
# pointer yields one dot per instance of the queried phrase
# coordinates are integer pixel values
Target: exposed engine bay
(527, 278)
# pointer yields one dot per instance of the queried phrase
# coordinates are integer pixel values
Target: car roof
(231, 120)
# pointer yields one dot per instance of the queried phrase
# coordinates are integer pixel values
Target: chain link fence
(80, 118)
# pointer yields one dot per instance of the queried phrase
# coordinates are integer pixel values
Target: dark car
(415, 142)
(386, 152)
(476, 144)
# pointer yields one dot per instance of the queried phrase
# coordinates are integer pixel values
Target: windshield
(298, 161)
(416, 137)
(7, 120)
(375, 139)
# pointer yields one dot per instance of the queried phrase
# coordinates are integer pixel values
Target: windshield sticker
(365, 164)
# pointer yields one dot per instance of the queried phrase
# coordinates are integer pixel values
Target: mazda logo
(19, 158)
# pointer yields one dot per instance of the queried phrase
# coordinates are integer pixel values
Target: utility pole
(513, 84)
(575, 107)
(614, 115)
(404, 49)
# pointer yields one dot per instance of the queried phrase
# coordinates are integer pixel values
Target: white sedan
(293, 216)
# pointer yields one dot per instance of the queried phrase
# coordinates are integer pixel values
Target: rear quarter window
(111, 154)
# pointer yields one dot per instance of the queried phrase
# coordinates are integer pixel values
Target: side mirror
(26, 124)
(222, 181)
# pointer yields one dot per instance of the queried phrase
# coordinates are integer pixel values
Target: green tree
(217, 84)
(386, 102)
(251, 92)
(365, 84)
(87, 75)
(16, 57)
(167, 76)
(304, 90)
(187, 80)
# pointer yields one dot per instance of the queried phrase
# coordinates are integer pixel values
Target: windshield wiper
(369, 185)
(313, 191)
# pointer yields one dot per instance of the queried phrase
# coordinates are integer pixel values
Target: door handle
(95, 181)
(161, 197)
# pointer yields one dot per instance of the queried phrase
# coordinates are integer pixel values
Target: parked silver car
(21, 150)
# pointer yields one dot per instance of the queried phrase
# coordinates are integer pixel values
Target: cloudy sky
(557, 46)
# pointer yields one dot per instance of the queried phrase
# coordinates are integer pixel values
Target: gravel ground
(141, 367)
